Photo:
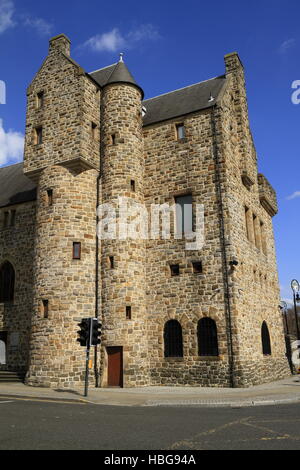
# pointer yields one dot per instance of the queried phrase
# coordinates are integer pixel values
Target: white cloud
(11, 146)
(6, 14)
(294, 195)
(286, 45)
(42, 27)
(111, 41)
(114, 40)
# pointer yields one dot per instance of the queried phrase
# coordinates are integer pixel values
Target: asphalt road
(42, 425)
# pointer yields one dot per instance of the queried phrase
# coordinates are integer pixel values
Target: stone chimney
(60, 43)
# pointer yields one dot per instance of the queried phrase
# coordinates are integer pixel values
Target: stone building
(203, 316)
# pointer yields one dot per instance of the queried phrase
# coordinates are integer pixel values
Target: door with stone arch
(3, 348)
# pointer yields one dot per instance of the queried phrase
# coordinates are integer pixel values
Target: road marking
(81, 402)
(2, 402)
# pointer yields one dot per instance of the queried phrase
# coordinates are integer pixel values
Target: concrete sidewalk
(281, 392)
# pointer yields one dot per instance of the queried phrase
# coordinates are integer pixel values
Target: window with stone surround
(50, 197)
(76, 250)
(180, 131)
(45, 308)
(38, 136)
(40, 100)
(173, 339)
(5, 219)
(174, 270)
(111, 262)
(128, 312)
(12, 222)
(207, 338)
(197, 267)
(184, 214)
(7, 282)
(94, 130)
(132, 186)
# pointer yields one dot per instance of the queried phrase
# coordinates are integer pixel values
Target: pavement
(276, 393)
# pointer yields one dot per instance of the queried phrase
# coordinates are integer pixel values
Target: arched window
(265, 339)
(207, 337)
(173, 339)
(7, 282)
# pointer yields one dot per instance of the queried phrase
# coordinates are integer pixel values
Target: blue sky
(169, 45)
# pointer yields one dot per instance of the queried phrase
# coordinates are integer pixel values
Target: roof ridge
(111, 73)
(184, 88)
(107, 67)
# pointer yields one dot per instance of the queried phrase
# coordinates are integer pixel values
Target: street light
(284, 308)
(295, 288)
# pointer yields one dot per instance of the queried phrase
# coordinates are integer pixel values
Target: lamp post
(284, 307)
(295, 288)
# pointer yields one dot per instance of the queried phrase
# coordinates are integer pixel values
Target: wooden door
(115, 366)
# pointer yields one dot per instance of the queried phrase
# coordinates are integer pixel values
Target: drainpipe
(223, 249)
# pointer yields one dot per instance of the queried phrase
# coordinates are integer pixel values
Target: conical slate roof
(117, 73)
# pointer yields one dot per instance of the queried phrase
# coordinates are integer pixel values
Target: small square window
(40, 100)
(197, 267)
(76, 250)
(174, 268)
(38, 135)
(128, 313)
(180, 131)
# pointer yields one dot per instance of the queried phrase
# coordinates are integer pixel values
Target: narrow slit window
(12, 218)
(132, 186)
(128, 313)
(38, 135)
(46, 308)
(94, 130)
(113, 139)
(111, 262)
(40, 100)
(76, 250)
(5, 219)
(184, 214)
(50, 197)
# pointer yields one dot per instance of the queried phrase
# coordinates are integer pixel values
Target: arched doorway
(3, 343)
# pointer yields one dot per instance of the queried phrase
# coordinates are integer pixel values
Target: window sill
(209, 358)
(174, 359)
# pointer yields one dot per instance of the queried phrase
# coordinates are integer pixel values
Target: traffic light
(84, 332)
(96, 332)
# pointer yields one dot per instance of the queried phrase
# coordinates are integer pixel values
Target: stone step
(10, 377)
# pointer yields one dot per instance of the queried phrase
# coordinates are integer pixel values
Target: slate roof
(170, 105)
(14, 186)
(184, 101)
(117, 73)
